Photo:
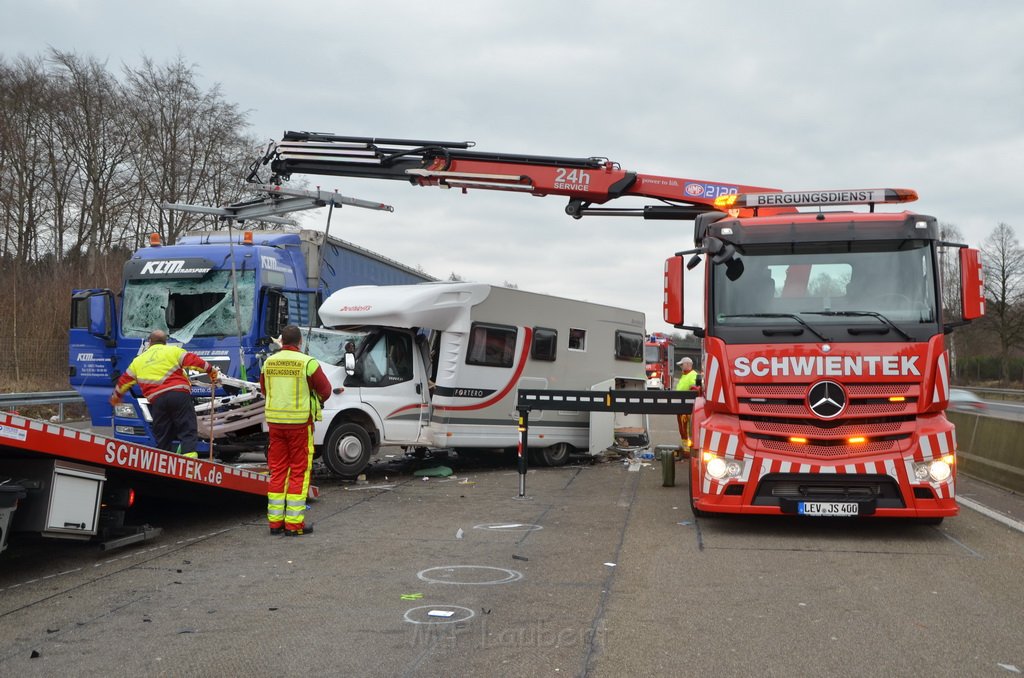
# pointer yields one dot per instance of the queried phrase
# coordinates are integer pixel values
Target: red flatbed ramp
(52, 440)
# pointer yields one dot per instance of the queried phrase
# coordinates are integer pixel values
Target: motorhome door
(393, 380)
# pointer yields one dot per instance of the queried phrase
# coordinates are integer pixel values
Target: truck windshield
(894, 279)
(652, 354)
(187, 308)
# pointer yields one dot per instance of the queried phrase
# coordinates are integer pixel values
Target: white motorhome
(439, 365)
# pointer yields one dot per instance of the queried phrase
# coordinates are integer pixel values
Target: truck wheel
(347, 450)
(697, 513)
(556, 455)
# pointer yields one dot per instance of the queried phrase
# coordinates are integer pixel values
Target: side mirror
(94, 311)
(99, 317)
(724, 253)
(733, 268)
(275, 312)
(672, 306)
(972, 282)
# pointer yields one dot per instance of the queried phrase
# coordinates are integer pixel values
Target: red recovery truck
(659, 356)
(826, 376)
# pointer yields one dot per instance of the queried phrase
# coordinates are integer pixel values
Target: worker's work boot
(277, 530)
(308, 529)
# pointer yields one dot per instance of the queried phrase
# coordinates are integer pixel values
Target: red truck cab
(826, 375)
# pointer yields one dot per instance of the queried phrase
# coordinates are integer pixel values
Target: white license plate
(827, 508)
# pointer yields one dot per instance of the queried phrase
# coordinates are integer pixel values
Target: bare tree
(23, 153)
(84, 161)
(192, 147)
(23, 184)
(1003, 262)
(97, 137)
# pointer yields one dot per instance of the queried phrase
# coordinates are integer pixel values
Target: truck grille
(798, 390)
(825, 451)
(772, 414)
(854, 409)
(813, 429)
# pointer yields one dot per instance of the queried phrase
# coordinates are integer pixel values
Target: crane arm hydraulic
(454, 164)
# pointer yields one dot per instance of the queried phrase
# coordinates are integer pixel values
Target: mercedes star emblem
(826, 399)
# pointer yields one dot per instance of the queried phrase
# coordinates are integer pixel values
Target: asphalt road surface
(599, 572)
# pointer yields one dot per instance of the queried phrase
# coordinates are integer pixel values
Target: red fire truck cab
(825, 370)
(659, 359)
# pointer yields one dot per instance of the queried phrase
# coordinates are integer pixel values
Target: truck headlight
(126, 410)
(937, 470)
(716, 468)
(719, 468)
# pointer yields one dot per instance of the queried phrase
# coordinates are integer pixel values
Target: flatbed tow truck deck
(77, 483)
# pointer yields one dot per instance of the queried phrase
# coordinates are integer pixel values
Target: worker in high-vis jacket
(295, 388)
(160, 371)
(687, 382)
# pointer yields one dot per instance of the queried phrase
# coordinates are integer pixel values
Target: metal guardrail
(1002, 393)
(58, 398)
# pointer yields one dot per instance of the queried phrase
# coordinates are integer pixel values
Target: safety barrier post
(523, 449)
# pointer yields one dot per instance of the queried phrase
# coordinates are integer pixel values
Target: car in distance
(961, 400)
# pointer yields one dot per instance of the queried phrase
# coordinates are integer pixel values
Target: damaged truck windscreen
(188, 307)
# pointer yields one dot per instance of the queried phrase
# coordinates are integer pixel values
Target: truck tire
(347, 450)
(555, 455)
(697, 513)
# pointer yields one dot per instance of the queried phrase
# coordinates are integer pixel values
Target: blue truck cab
(220, 296)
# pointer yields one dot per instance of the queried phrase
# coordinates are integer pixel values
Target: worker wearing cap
(687, 382)
(160, 371)
(294, 386)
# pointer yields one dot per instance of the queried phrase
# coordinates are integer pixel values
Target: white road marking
(994, 515)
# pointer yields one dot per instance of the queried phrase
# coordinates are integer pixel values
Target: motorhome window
(189, 307)
(577, 339)
(435, 354)
(491, 345)
(629, 346)
(389, 360)
(374, 364)
(399, 357)
(545, 344)
(895, 278)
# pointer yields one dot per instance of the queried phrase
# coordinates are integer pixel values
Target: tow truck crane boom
(453, 164)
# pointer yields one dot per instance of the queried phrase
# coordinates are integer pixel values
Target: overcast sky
(922, 94)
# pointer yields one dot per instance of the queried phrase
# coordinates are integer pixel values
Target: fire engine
(659, 356)
(825, 370)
